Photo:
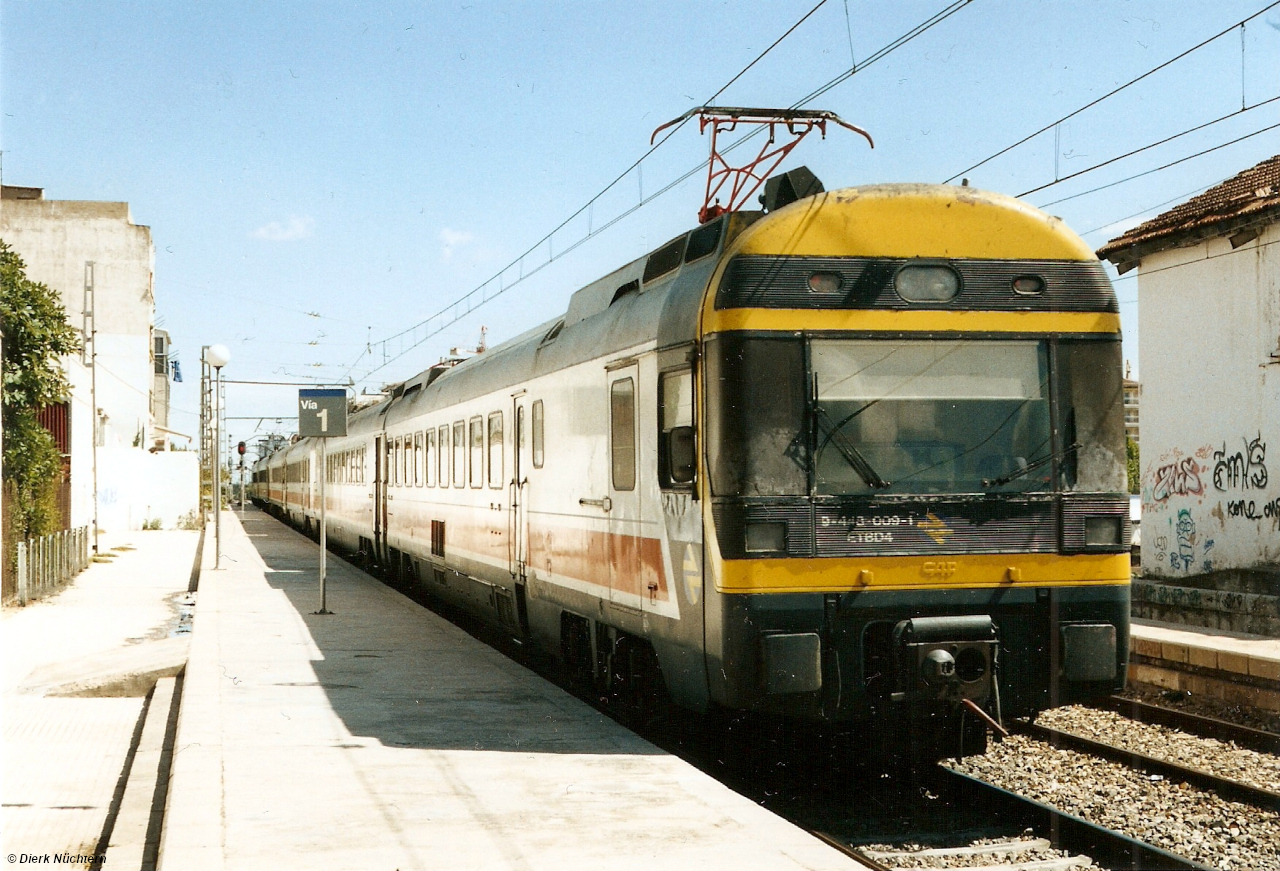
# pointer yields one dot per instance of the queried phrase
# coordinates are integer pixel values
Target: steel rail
(1223, 786)
(849, 850)
(1192, 724)
(1107, 848)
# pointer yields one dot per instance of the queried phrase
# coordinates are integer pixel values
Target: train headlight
(1028, 285)
(766, 537)
(824, 282)
(926, 283)
(939, 666)
(1102, 531)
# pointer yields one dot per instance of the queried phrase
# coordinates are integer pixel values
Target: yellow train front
(911, 465)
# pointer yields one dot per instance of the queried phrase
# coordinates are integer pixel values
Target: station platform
(76, 668)
(1230, 666)
(383, 737)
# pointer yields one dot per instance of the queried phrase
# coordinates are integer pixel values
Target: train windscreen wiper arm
(1034, 464)
(851, 455)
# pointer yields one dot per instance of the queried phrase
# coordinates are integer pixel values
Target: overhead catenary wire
(467, 299)
(1172, 163)
(548, 238)
(1114, 91)
(1199, 189)
(1232, 114)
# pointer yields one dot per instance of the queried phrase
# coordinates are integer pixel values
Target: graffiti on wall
(1249, 510)
(1185, 530)
(1243, 470)
(1224, 488)
(1179, 478)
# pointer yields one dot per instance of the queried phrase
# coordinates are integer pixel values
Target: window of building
(539, 443)
(495, 449)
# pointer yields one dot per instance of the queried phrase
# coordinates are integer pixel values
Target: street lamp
(217, 356)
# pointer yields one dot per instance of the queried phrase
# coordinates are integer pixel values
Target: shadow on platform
(399, 673)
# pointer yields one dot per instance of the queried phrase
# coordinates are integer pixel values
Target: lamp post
(217, 356)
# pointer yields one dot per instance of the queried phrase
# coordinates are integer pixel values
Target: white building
(1132, 407)
(102, 265)
(1209, 340)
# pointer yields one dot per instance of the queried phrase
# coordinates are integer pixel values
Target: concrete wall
(135, 487)
(1209, 341)
(55, 238)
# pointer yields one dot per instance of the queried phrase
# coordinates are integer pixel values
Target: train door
(379, 498)
(517, 492)
(623, 511)
(518, 538)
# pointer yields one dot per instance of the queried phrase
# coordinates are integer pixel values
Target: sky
(320, 176)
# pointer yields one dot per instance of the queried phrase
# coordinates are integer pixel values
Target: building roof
(1246, 200)
(16, 192)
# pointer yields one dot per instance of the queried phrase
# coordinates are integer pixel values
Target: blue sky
(319, 175)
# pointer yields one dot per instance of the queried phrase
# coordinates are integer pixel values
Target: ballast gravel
(1221, 758)
(908, 855)
(1206, 706)
(1174, 816)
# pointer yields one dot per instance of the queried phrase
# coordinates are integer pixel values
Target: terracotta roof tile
(1254, 191)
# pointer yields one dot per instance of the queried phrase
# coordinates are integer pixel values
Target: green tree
(36, 335)
(1131, 461)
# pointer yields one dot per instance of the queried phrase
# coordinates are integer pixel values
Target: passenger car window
(495, 449)
(442, 457)
(539, 444)
(459, 454)
(676, 456)
(429, 458)
(622, 433)
(477, 451)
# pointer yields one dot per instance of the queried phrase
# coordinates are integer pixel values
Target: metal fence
(46, 563)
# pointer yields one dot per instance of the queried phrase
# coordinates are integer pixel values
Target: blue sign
(322, 413)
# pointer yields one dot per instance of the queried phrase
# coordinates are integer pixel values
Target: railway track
(1193, 724)
(1228, 788)
(1018, 833)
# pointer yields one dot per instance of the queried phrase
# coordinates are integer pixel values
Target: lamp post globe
(217, 356)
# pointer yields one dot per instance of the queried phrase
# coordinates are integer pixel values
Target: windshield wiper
(1034, 464)
(851, 455)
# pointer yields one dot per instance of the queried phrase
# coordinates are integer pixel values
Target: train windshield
(900, 417)
(931, 417)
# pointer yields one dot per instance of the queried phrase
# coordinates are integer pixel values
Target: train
(854, 458)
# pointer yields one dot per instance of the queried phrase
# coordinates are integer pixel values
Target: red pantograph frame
(745, 180)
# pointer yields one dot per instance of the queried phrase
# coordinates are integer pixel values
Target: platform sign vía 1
(322, 413)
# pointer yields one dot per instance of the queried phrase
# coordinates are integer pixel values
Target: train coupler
(945, 659)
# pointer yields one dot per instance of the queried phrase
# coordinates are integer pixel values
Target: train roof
(657, 297)
(914, 220)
